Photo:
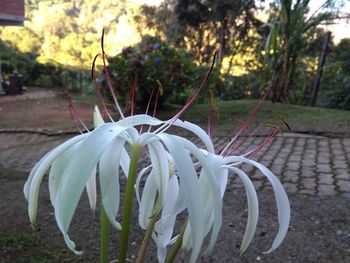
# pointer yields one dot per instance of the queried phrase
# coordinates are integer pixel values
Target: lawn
(52, 114)
(300, 118)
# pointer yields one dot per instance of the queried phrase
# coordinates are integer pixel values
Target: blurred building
(11, 12)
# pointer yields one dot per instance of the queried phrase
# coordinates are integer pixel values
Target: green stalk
(143, 249)
(104, 238)
(175, 249)
(124, 236)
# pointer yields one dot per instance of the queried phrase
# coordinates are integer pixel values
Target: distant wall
(11, 12)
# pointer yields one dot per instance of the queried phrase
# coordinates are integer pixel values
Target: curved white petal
(211, 170)
(140, 119)
(109, 179)
(160, 166)
(198, 131)
(165, 225)
(189, 182)
(91, 189)
(82, 164)
(253, 208)
(282, 202)
(32, 185)
(57, 169)
(138, 182)
(147, 201)
(98, 120)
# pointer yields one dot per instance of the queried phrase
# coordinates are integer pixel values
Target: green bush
(338, 93)
(42, 75)
(155, 63)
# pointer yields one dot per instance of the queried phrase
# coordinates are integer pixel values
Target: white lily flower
(180, 177)
(223, 166)
(73, 164)
(211, 189)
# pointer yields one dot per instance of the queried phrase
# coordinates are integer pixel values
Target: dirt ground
(319, 229)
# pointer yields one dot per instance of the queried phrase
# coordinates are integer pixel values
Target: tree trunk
(319, 72)
(222, 43)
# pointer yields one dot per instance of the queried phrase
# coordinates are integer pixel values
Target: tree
(203, 26)
(286, 42)
(68, 32)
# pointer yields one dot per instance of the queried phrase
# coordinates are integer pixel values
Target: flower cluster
(181, 178)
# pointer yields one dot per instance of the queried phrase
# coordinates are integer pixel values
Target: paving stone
(308, 163)
(324, 178)
(342, 174)
(290, 176)
(294, 166)
(326, 189)
(344, 185)
(340, 157)
(346, 142)
(290, 187)
(308, 183)
(323, 160)
(277, 169)
(323, 143)
(295, 158)
(307, 191)
(298, 148)
(305, 172)
(340, 164)
(324, 168)
(323, 149)
(338, 152)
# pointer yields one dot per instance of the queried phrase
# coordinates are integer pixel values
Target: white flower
(74, 163)
(213, 179)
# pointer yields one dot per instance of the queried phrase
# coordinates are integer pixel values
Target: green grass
(302, 118)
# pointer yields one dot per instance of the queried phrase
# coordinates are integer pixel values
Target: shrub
(338, 93)
(155, 63)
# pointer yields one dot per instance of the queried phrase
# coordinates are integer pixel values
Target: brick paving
(305, 164)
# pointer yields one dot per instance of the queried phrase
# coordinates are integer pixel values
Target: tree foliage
(204, 26)
(286, 42)
(68, 32)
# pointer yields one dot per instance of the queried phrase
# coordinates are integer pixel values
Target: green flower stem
(142, 252)
(104, 238)
(124, 236)
(175, 249)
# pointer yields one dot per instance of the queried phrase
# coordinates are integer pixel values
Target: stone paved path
(305, 164)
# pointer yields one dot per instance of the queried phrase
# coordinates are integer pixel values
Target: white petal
(147, 201)
(57, 169)
(165, 225)
(81, 166)
(138, 182)
(32, 185)
(282, 202)
(197, 131)
(109, 179)
(253, 208)
(141, 119)
(125, 162)
(211, 167)
(160, 165)
(189, 182)
(91, 190)
(98, 120)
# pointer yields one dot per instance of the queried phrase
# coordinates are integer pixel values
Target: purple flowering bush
(153, 63)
